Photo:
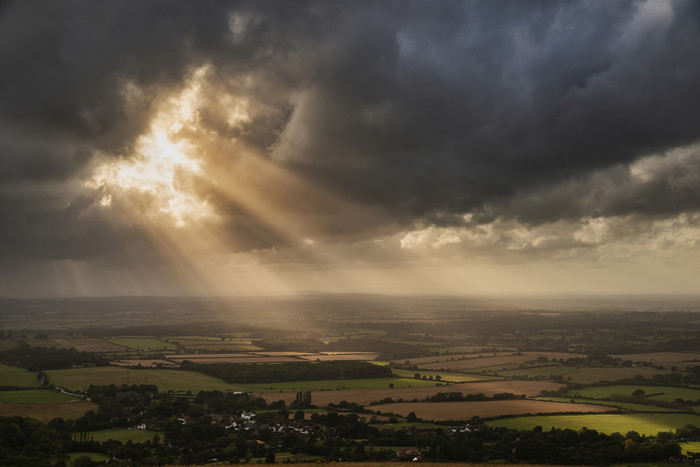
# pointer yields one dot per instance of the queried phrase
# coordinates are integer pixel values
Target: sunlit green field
(13, 376)
(175, 380)
(690, 446)
(136, 436)
(34, 396)
(648, 424)
(333, 384)
(669, 394)
(445, 376)
(142, 343)
(622, 405)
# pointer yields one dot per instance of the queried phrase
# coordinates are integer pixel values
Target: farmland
(34, 396)
(135, 436)
(141, 343)
(442, 411)
(648, 424)
(622, 405)
(174, 380)
(582, 375)
(47, 411)
(366, 396)
(13, 376)
(444, 376)
(332, 385)
(663, 393)
(87, 344)
(316, 362)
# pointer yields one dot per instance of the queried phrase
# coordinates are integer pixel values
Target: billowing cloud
(138, 134)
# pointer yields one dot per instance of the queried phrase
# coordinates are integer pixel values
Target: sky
(401, 147)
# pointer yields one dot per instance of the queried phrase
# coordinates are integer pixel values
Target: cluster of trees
(302, 371)
(45, 358)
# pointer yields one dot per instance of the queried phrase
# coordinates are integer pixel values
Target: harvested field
(89, 344)
(366, 396)
(441, 411)
(662, 357)
(46, 412)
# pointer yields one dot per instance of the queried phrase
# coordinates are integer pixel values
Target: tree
(638, 393)
(411, 417)
(270, 458)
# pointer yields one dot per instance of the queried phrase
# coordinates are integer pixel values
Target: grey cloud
(418, 111)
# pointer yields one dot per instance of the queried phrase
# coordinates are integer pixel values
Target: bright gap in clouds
(162, 173)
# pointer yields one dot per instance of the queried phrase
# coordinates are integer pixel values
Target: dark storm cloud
(420, 110)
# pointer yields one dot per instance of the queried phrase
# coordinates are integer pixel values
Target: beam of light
(164, 165)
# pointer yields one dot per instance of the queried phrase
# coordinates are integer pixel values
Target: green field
(690, 446)
(622, 405)
(669, 393)
(95, 456)
(648, 424)
(13, 376)
(142, 343)
(218, 346)
(446, 377)
(582, 375)
(34, 396)
(175, 380)
(333, 384)
(7, 345)
(136, 436)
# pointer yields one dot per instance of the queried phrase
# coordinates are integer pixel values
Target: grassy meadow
(648, 424)
(13, 376)
(333, 384)
(34, 396)
(142, 343)
(663, 393)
